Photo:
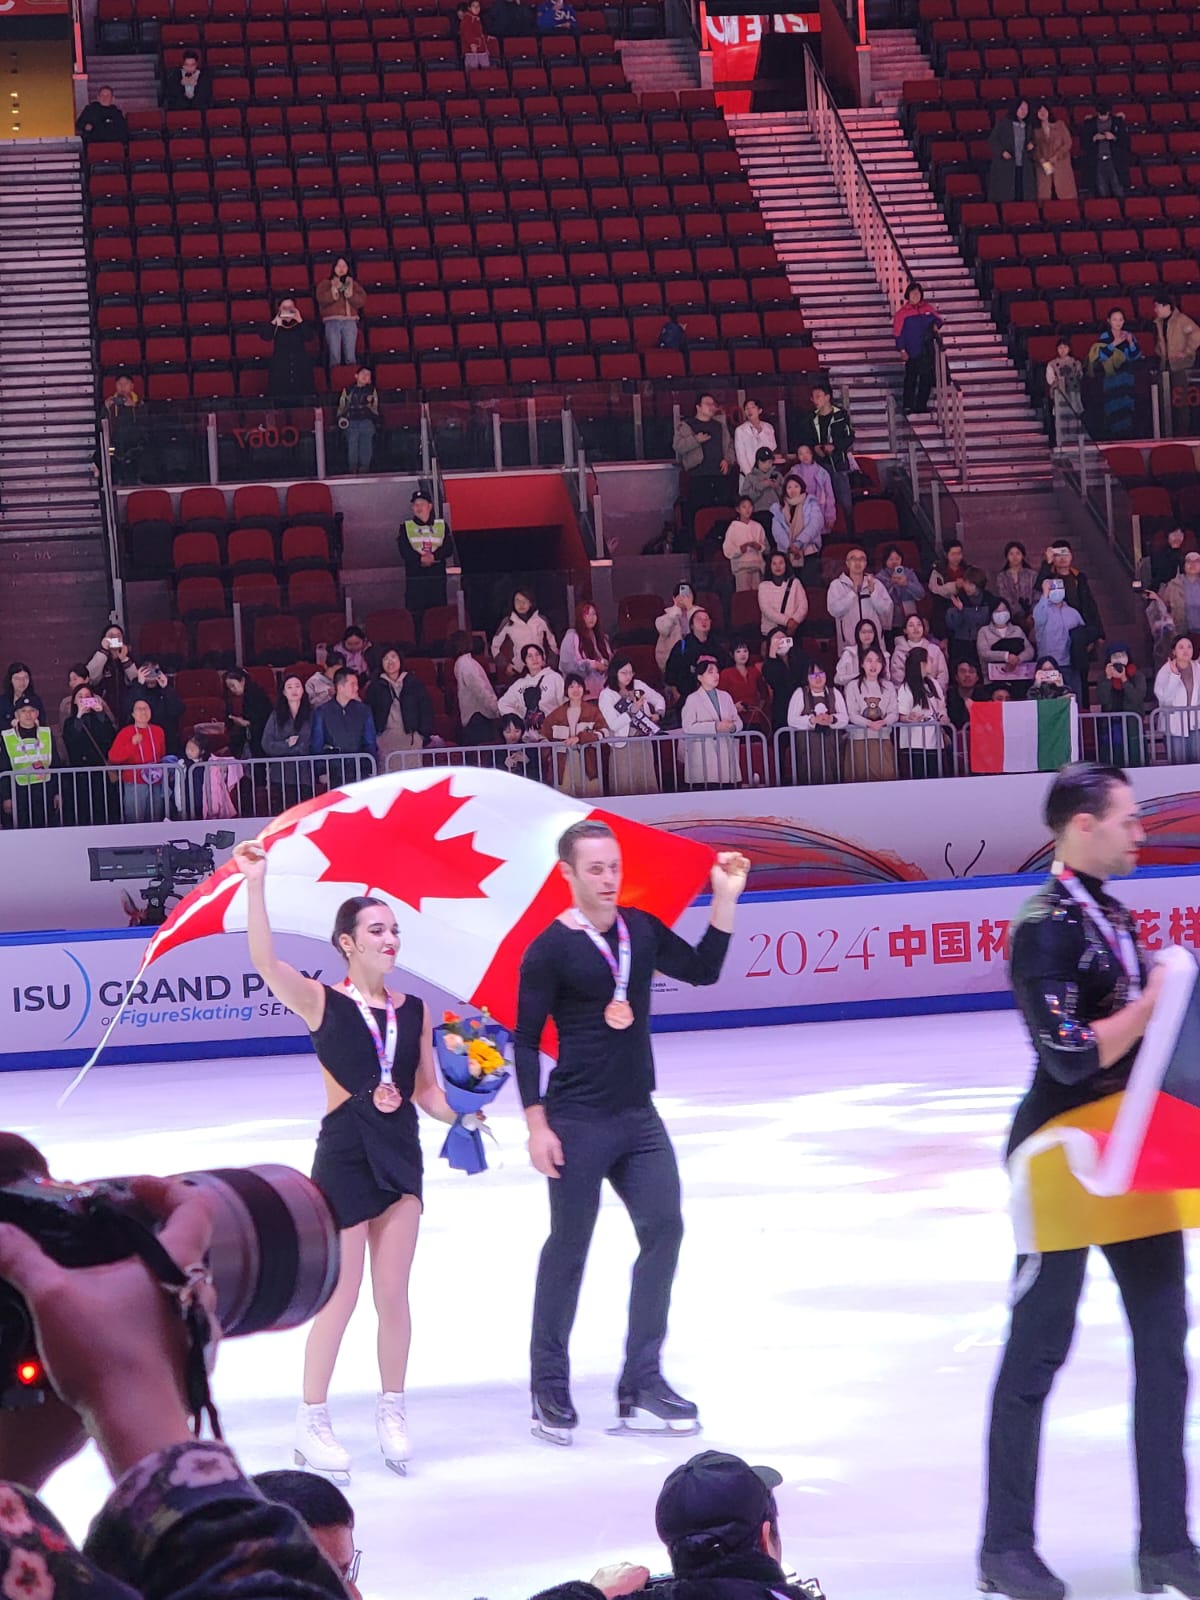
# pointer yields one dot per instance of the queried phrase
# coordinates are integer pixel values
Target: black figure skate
(655, 1408)
(553, 1414)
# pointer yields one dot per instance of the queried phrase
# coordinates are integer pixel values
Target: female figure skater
(376, 1055)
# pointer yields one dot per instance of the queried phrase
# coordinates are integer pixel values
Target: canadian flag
(466, 857)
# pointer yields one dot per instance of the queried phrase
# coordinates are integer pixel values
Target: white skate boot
(316, 1447)
(391, 1429)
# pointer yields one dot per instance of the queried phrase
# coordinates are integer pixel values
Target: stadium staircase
(896, 59)
(658, 65)
(51, 545)
(847, 312)
(132, 79)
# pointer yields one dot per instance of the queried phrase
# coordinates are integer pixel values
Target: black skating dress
(366, 1158)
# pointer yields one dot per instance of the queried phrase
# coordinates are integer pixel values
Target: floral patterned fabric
(184, 1524)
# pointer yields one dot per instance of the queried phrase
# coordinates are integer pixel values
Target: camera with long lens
(181, 863)
(274, 1255)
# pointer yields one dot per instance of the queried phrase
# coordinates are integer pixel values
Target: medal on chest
(618, 1013)
(385, 1095)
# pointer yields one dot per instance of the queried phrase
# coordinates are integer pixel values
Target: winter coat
(1002, 179)
(848, 606)
(416, 708)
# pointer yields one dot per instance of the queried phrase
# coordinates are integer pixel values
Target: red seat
(196, 555)
(200, 597)
(305, 547)
(394, 626)
(277, 640)
(149, 505)
(256, 506)
(256, 592)
(311, 592)
(251, 550)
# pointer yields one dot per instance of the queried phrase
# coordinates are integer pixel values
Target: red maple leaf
(400, 854)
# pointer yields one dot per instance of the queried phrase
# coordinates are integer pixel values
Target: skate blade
(643, 1423)
(400, 1468)
(559, 1436)
(338, 1475)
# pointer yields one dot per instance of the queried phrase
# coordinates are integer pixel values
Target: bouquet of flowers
(474, 1054)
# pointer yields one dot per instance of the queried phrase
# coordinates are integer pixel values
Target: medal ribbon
(1118, 940)
(385, 1049)
(618, 965)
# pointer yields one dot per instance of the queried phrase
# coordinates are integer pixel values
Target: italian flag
(1024, 735)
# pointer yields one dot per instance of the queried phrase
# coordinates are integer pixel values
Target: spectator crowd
(870, 658)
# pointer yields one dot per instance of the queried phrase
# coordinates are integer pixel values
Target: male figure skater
(1082, 988)
(591, 970)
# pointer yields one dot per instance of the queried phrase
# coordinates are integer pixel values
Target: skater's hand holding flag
(1126, 1166)
(465, 856)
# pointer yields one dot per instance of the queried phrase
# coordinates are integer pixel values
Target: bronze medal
(387, 1097)
(618, 1014)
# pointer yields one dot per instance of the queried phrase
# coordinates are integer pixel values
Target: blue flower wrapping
(466, 1095)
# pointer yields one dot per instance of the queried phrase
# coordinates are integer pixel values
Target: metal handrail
(892, 270)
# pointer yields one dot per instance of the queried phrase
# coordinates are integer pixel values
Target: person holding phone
(290, 372)
(340, 300)
(88, 731)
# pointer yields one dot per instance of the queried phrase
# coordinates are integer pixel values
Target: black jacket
(102, 123)
(835, 432)
(256, 709)
(680, 670)
(415, 705)
(1079, 594)
(174, 97)
(166, 708)
(751, 1576)
(290, 372)
(1119, 148)
(1065, 977)
(88, 739)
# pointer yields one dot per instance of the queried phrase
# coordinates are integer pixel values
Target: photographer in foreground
(718, 1519)
(182, 1517)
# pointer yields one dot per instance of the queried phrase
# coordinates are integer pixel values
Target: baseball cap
(719, 1497)
(19, 705)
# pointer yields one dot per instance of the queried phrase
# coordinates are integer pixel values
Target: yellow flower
(484, 1057)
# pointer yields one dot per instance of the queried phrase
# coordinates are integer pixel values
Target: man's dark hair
(704, 395)
(1103, 107)
(342, 674)
(1083, 789)
(581, 830)
(526, 648)
(1164, 297)
(317, 1502)
(914, 285)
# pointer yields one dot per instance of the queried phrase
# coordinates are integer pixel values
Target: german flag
(1127, 1166)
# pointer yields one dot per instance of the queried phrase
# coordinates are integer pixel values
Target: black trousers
(631, 1149)
(918, 381)
(1150, 1275)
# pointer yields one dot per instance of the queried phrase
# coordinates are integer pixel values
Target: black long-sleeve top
(1065, 977)
(600, 1070)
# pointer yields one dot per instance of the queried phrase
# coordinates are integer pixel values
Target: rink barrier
(879, 950)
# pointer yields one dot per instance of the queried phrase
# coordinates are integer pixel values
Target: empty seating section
(527, 223)
(277, 560)
(1064, 264)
